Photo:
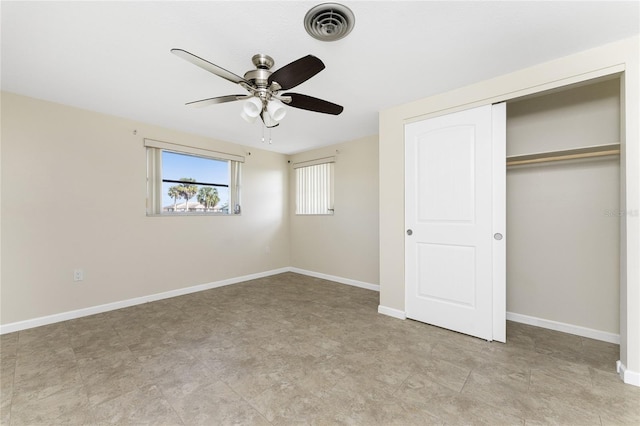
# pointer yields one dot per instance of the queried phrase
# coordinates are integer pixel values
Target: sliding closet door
(454, 248)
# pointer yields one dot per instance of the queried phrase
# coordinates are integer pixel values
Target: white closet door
(454, 246)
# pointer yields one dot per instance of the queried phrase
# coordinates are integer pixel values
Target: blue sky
(177, 166)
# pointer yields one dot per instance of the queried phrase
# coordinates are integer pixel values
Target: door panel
(449, 196)
(447, 273)
(446, 187)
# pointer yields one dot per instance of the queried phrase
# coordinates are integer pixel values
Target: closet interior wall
(563, 226)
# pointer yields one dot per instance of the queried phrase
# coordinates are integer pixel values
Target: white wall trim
(348, 281)
(565, 328)
(78, 313)
(395, 313)
(627, 376)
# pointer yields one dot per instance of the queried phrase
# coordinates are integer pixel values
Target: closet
(563, 214)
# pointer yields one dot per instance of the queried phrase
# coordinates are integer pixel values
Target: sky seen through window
(207, 170)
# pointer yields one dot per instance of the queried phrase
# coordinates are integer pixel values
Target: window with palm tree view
(192, 184)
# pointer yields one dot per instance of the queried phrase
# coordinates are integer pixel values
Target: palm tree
(187, 190)
(208, 197)
(174, 192)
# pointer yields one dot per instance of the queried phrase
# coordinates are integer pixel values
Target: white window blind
(314, 188)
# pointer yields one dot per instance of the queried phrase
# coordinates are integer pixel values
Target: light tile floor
(291, 349)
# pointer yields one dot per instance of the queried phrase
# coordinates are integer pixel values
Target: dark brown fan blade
(206, 65)
(219, 100)
(297, 72)
(313, 104)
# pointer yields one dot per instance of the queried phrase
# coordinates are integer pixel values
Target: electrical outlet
(78, 275)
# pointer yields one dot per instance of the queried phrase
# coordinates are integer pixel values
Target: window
(183, 180)
(314, 187)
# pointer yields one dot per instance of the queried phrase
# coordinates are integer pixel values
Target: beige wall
(610, 59)
(73, 196)
(346, 243)
(563, 233)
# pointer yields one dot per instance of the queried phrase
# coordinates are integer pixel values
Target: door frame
(499, 207)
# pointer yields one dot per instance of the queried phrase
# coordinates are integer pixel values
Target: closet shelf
(567, 154)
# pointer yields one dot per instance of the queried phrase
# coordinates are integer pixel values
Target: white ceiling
(113, 57)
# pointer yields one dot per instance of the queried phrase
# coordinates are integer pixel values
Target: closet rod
(571, 154)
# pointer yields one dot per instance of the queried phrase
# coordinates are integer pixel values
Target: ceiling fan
(264, 87)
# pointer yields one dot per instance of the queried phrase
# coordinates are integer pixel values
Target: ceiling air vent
(329, 21)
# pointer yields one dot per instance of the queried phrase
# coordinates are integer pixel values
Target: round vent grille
(329, 21)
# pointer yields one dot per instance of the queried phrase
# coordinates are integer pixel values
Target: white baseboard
(78, 313)
(627, 376)
(565, 328)
(348, 281)
(395, 313)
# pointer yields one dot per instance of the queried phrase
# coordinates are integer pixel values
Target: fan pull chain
(263, 126)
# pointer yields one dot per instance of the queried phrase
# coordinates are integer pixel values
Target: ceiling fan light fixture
(329, 21)
(247, 118)
(253, 107)
(276, 109)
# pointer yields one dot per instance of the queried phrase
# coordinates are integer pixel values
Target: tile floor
(291, 349)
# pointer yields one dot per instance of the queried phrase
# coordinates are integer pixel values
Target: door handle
(409, 232)
(497, 236)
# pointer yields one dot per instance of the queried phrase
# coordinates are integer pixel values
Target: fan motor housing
(260, 77)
